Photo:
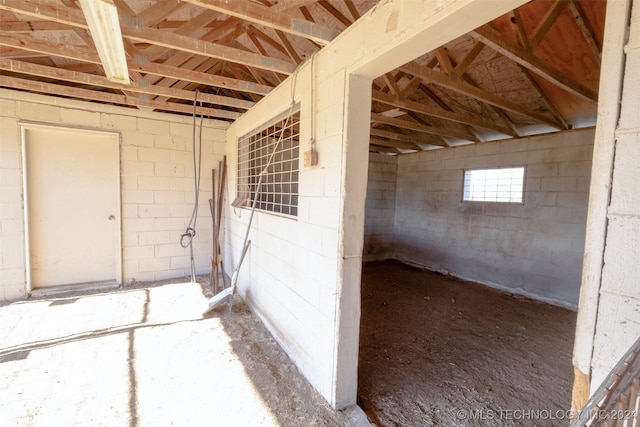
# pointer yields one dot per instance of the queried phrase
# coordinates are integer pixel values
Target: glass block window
(502, 185)
(279, 190)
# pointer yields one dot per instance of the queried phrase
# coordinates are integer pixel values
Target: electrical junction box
(310, 158)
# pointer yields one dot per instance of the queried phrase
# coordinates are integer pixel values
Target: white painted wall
(303, 277)
(156, 184)
(380, 207)
(534, 248)
(618, 311)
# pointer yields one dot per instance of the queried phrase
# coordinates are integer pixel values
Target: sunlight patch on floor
(133, 357)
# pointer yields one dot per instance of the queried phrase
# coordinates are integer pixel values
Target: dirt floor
(438, 351)
(145, 356)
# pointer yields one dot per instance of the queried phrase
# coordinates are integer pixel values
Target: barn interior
(516, 95)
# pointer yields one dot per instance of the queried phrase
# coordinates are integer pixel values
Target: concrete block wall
(289, 274)
(618, 313)
(157, 187)
(380, 207)
(534, 248)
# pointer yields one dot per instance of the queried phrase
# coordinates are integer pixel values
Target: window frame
(495, 168)
(253, 151)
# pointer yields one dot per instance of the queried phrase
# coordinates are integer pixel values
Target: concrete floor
(146, 357)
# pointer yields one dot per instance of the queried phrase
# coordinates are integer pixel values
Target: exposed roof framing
(535, 69)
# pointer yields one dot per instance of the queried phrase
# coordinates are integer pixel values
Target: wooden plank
(495, 41)
(515, 20)
(261, 15)
(289, 47)
(373, 148)
(552, 108)
(46, 11)
(32, 26)
(202, 78)
(137, 87)
(84, 54)
(395, 136)
(187, 29)
(158, 11)
(251, 30)
(391, 84)
(462, 67)
(437, 112)
(352, 9)
(411, 87)
(32, 44)
(209, 49)
(546, 23)
(290, 4)
(443, 60)
(475, 92)
(335, 13)
(418, 127)
(86, 94)
(165, 39)
(393, 144)
(586, 29)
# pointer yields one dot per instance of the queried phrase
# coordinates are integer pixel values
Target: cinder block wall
(618, 313)
(380, 208)
(534, 249)
(157, 188)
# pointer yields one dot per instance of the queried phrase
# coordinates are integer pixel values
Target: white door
(72, 206)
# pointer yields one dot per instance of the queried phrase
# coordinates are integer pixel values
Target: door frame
(25, 126)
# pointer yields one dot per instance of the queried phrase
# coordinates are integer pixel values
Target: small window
(502, 185)
(279, 189)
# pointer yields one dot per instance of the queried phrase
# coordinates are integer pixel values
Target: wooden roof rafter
(495, 41)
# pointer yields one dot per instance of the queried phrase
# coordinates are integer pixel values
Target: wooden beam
(552, 108)
(352, 9)
(472, 91)
(443, 60)
(80, 53)
(204, 48)
(185, 60)
(168, 40)
(158, 11)
(410, 88)
(373, 148)
(462, 67)
(586, 29)
(495, 41)
(289, 47)
(515, 19)
(432, 130)
(137, 87)
(289, 4)
(32, 44)
(393, 144)
(546, 23)
(390, 80)
(202, 78)
(92, 95)
(437, 112)
(253, 31)
(395, 136)
(335, 13)
(32, 26)
(46, 11)
(187, 29)
(261, 15)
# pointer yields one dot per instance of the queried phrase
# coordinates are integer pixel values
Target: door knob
(112, 217)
